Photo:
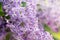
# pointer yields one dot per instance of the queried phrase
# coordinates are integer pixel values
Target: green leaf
(1, 7)
(8, 17)
(46, 28)
(8, 36)
(56, 35)
(2, 13)
(1, 10)
(55, 38)
(23, 4)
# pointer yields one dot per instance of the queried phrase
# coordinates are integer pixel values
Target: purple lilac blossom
(2, 36)
(23, 22)
(2, 29)
(39, 35)
(50, 14)
(1, 0)
(2, 26)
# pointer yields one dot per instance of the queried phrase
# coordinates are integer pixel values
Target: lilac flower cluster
(23, 20)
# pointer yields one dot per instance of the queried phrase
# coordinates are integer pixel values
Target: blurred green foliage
(7, 17)
(0, 6)
(56, 35)
(23, 4)
(55, 38)
(8, 36)
(1, 10)
(46, 28)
